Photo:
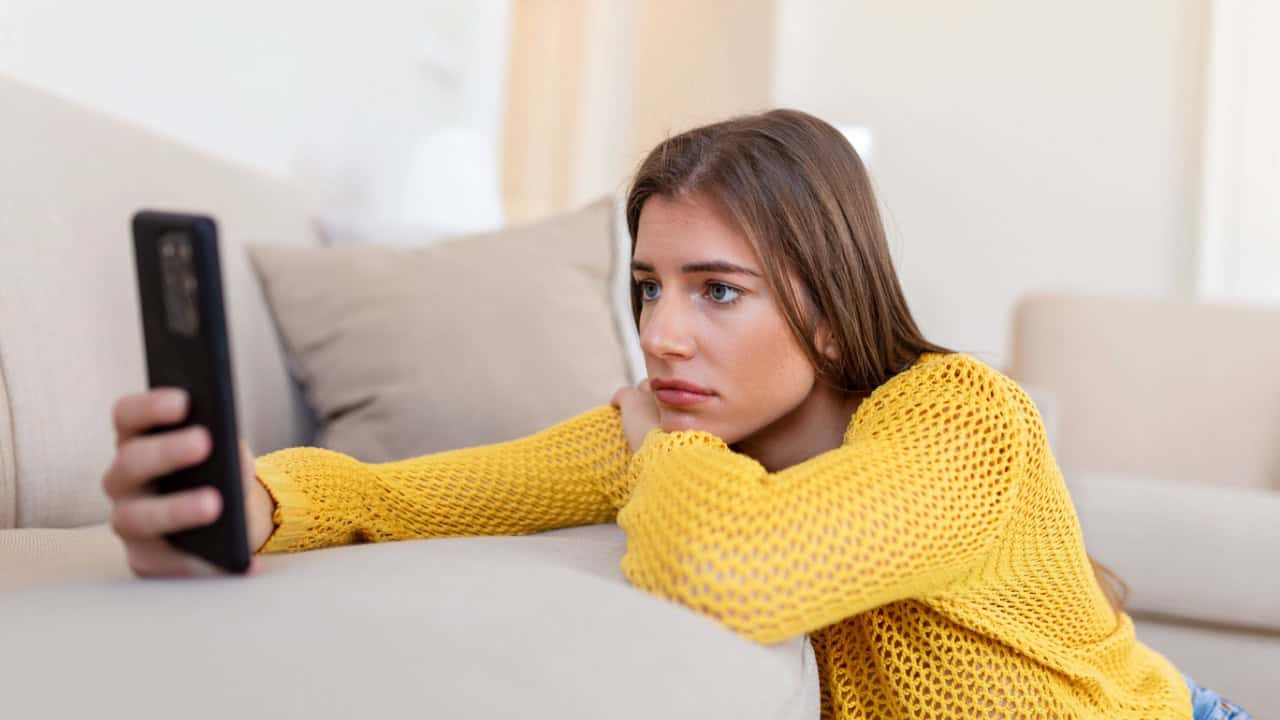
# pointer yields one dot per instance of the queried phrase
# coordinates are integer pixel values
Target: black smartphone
(184, 329)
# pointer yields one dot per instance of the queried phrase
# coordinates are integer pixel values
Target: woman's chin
(674, 422)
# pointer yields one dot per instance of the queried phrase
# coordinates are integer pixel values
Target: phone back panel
(187, 345)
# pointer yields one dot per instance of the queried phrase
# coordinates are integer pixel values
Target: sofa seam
(8, 461)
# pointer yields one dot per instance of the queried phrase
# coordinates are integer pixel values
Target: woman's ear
(825, 341)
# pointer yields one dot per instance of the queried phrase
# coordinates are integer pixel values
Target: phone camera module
(179, 284)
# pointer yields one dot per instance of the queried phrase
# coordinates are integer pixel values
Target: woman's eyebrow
(716, 266)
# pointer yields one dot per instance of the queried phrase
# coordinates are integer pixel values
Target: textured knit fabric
(934, 558)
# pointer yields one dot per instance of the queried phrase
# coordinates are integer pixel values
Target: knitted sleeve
(913, 500)
(569, 474)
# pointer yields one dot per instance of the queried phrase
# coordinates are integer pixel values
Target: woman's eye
(724, 294)
(644, 286)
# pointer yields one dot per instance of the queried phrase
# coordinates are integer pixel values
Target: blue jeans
(1209, 705)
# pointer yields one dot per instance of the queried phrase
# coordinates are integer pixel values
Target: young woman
(799, 460)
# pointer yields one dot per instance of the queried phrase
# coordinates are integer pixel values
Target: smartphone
(184, 329)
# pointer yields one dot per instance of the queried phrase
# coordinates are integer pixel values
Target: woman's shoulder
(945, 382)
(955, 388)
(949, 374)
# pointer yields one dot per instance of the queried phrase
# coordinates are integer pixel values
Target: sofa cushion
(403, 351)
(540, 626)
(1196, 552)
(33, 557)
(1181, 391)
(346, 228)
(70, 338)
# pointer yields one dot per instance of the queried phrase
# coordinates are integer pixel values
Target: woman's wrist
(262, 508)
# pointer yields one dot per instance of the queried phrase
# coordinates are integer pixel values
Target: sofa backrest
(1167, 390)
(70, 340)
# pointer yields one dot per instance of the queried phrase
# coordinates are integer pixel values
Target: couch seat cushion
(1202, 553)
(487, 627)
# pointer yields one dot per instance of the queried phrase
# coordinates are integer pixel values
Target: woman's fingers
(133, 414)
(149, 558)
(150, 516)
(627, 391)
(141, 516)
(145, 457)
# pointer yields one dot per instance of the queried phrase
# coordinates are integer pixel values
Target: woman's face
(709, 318)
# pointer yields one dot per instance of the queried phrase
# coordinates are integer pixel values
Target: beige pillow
(479, 339)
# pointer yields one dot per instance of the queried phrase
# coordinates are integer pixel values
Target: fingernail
(210, 502)
(174, 400)
(198, 437)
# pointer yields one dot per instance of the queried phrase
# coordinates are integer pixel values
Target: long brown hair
(799, 191)
(802, 196)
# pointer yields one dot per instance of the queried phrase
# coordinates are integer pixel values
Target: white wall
(1019, 146)
(333, 94)
(1240, 219)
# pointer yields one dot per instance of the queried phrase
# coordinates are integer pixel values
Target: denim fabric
(1209, 705)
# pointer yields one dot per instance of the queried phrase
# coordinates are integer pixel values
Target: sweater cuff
(658, 443)
(292, 517)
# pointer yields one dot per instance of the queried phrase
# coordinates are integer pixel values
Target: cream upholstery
(454, 628)
(70, 339)
(1184, 392)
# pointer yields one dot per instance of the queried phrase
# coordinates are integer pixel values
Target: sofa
(542, 625)
(1166, 424)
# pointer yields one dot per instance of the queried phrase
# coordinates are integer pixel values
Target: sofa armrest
(1199, 552)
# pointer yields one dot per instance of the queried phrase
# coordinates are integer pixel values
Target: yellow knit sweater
(934, 558)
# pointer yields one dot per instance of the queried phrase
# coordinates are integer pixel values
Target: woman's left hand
(639, 412)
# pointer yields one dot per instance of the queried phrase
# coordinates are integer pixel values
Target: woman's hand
(639, 412)
(140, 517)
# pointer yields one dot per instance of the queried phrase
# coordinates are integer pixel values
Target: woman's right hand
(141, 517)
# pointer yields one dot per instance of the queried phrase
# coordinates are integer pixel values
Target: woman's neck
(815, 426)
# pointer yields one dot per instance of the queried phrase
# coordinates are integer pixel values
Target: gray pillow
(402, 351)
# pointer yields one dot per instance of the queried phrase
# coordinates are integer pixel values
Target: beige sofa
(537, 626)
(1167, 428)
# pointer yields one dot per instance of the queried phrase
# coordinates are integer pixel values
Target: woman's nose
(664, 331)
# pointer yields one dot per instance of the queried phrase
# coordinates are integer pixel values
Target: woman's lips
(680, 398)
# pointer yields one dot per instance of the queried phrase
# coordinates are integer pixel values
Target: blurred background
(1093, 145)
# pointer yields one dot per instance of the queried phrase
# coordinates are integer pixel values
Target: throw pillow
(402, 351)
